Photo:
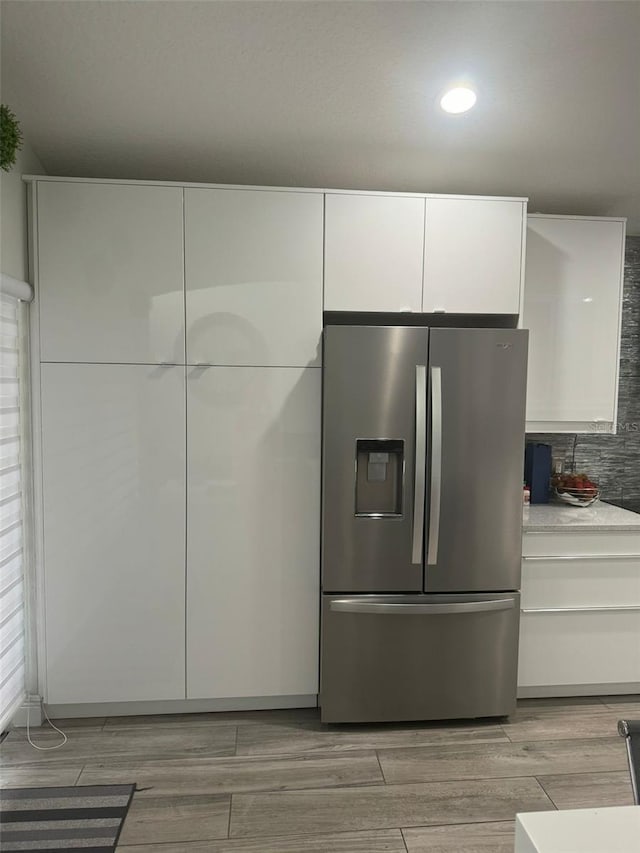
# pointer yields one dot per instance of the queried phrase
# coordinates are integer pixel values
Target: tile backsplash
(613, 461)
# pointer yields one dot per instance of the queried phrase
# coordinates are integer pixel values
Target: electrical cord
(53, 726)
(573, 454)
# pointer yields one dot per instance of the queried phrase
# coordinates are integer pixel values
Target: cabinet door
(114, 531)
(253, 531)
(473, 255)
(580, 582)
(373, 253)
(110, 273)
(572, 304)
(580, 647)
(253, 262)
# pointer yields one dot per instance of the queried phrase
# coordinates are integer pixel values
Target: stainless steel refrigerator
(423, 442)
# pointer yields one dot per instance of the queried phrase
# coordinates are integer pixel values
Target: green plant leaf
(10, 138)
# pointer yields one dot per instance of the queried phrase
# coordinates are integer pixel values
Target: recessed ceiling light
(458, 100)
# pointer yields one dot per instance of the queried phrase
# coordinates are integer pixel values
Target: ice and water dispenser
(379, 477)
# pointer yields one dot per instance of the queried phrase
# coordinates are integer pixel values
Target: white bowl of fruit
(575, 489)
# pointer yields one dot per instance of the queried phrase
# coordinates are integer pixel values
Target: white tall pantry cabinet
(180, 473)
(253, 261)
(109, 287)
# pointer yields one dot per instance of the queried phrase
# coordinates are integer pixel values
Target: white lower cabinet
(114, 531)
(579, 647)
(253, 531)
(580, 620)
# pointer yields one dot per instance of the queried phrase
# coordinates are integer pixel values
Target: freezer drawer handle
(420, 463)
(436, 465)
(354, 605)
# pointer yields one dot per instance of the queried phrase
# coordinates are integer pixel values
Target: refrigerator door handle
(355, 605)
(436, 465)
(420, 463)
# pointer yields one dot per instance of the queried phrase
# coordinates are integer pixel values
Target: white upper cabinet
(382, 253)
(253, 264)
(373, 252)
(253, 531)
(473, 255)
(113, 439)
(572, 307)
(110, 272)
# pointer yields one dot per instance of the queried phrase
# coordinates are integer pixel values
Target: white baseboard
(181, 706)
(31, 707)
(551, 690)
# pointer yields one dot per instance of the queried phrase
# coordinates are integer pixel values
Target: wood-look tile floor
(281, 782)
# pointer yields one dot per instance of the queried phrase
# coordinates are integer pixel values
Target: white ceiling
(336, 94)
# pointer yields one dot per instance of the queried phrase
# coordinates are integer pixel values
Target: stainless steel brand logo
(504, 346)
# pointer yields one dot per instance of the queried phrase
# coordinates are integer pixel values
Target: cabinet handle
(420, 463)
(586, 557)
(436, 465)
(613, 608)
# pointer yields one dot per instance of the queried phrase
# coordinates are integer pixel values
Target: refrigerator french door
(423, 438)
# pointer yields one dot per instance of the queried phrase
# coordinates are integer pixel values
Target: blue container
(537, 471)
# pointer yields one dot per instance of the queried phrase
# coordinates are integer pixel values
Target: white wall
(14, 262)
(13, 213)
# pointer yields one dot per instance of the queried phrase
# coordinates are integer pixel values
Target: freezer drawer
(418, 657)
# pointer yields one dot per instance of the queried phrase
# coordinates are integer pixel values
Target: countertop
(600, 516)
(614, 829)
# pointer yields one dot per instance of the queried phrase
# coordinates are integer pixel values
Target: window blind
(12, 583)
